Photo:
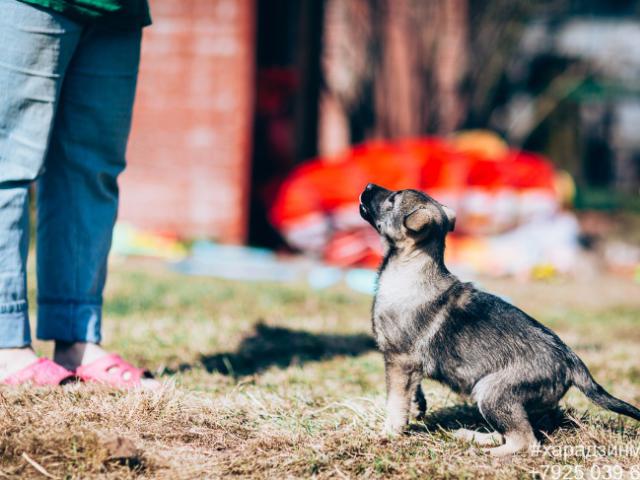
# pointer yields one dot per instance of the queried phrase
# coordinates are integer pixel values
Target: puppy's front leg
(402, 382)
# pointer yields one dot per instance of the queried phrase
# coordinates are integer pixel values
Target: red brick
(188, 158)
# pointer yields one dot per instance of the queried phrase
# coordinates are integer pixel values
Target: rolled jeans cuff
(14, 325)
(69, 322)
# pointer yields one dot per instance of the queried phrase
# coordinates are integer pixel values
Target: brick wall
(189, 150)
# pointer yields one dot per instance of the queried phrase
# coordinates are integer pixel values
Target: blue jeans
(66, 95)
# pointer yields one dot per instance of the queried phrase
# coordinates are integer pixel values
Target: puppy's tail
(584, 381)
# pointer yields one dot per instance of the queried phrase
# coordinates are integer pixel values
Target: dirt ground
(279, 381)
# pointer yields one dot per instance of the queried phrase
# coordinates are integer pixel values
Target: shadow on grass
(269, 346)
(468, 416)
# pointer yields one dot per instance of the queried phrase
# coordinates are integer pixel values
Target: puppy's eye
(392, 198)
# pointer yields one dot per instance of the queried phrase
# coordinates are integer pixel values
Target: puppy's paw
(479, 438)
(511, 447)
(392, 428)
(418, 411)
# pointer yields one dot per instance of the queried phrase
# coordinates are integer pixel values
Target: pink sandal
(42, 372)
(113, 371)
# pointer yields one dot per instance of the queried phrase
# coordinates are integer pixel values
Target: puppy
(428, 323)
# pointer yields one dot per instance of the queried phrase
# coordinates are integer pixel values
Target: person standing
(68, 71)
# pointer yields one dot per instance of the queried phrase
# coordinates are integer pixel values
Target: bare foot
(15, 359)
(73, 355)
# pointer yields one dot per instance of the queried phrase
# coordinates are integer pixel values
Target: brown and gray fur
(427, 323)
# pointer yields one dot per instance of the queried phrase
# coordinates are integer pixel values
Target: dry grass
(282, 382)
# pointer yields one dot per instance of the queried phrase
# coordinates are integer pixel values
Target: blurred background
(258, 122)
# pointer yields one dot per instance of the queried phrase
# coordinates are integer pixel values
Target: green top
(113, 13)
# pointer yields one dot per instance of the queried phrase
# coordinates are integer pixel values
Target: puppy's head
(405, 217)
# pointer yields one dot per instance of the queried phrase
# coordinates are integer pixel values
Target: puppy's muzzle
(370, 200)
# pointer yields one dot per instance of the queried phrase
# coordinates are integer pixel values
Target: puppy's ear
(417, 220)
(451, 217)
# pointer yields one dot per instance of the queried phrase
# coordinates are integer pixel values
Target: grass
(273, 381)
